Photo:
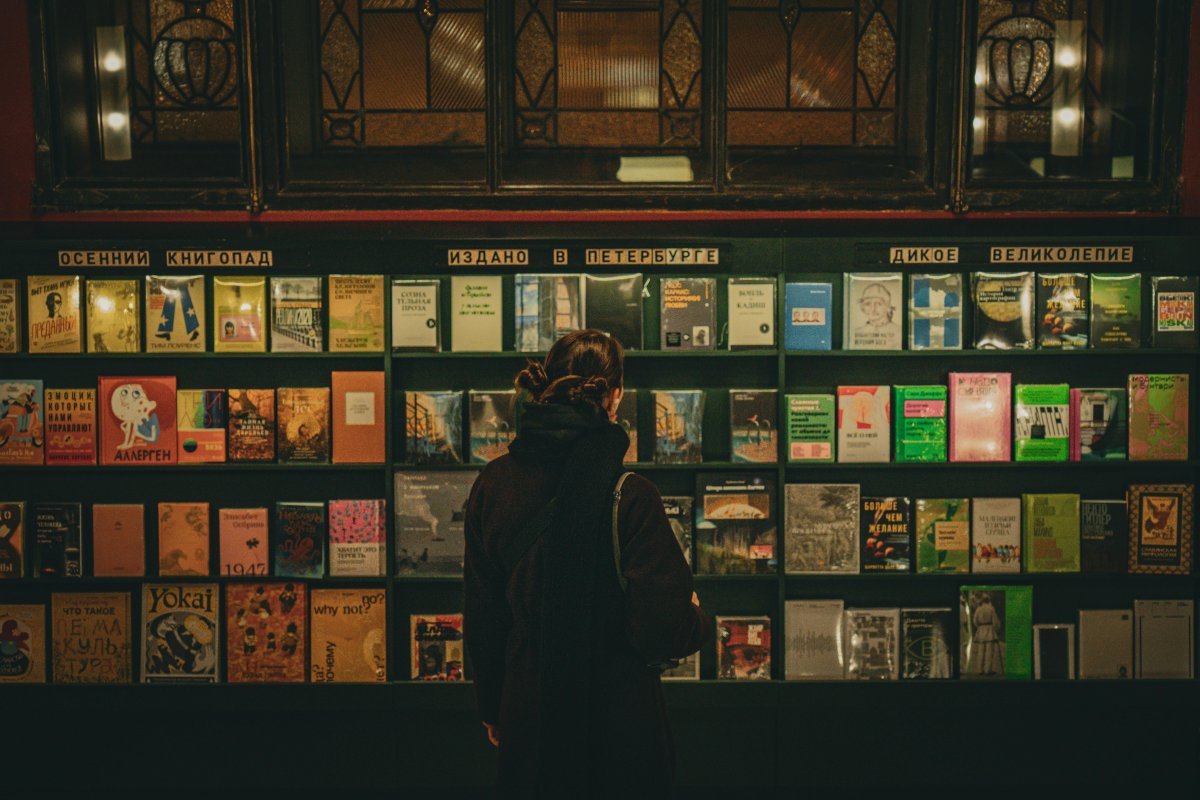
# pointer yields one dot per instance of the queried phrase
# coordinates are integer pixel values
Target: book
(1105, 643)
(935, 312)
(872, 315)
(266, 632)
(1116, 311)
(349, 636)
(90, 637)
(811, 427)
(885, 542)
(744, 648)
(433, 427)
(55, 324)
(357, 531)
(995, 632)
(175, 314)
(753, 414)
(751, 312)
(57, 534)
(359, 428)
(431, 510)
(546, 308)
(808, 316)
(688, 313)
(996, 534)
(302, 425)
(118, 540)
(1164, 634)
(437, 647)
(980, 416)
(687, 669)
(872, 641)
(22, 643)
(735, 523)
(1003, 310)
(1099, 425)
(297, 306)
(1043, 422)
(1054, 652)
(864, 424)
(1050, 532)
(416, 315)
(113, 318)
(821, 528)
(475, 312)
(201, 418)
(356, 313)
(1063, 308)
(678, 426)
(137, 420)
(251, 435)
(927, 643)
(22, 421)
(920, 423)
(1158, 417)
(1161, 528)
(813, 640)
(243, 541)
(943, 529)
(679, 511)
(1103, 536)
(627, 418)
(493, 423)
(13, 544)
(1174, 311)
(10, 316)
(181, 640)
(70, 426)
(240, 314)
(613, 305)
(183, 541)
(300, 535)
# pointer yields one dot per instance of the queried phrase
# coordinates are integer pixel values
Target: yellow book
(355, 313)
(10, 316)
(174, 314)
(113, 321)
(240, 314)
(53, 310)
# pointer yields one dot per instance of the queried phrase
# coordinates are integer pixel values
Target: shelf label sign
(103, 258)
(644, 256)
(220, 258)
(1062, 254)
(510, 257)
(923, 255)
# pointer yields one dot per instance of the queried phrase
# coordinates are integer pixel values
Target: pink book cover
(1075, 452)
(980, 416)
(864, 417)
(356, 537)
(243, 541)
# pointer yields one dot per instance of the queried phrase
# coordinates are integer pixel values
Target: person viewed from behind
(563, 653)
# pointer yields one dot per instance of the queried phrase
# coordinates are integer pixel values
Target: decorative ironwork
(1017, 52)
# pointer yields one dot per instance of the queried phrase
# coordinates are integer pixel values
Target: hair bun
(533, 378)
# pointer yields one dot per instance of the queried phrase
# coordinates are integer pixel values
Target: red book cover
(358, 418)
(243, 541)
(137, 420)
(118, 540)
(70, 426)
(267, 629)
(980, 416)
(22, 418)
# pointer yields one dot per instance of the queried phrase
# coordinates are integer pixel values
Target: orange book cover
(251, 425)
(22, 644)
(137, 420)
(22, 421)
(349, 636)
(200, 417)
(70, 426)
(243, 542)
(91, 642)
(266, 625)
(183, 539)
(358, 418)
(118, 539)
(12, 540)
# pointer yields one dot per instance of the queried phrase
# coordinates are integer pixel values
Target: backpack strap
(616, 539)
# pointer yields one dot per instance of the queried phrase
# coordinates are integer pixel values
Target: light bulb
(1066, 116)
(1067, 57)
(116, 120)
(113, 62)
(980, 77)
(977, 123)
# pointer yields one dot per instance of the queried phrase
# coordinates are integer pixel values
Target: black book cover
(736, 531)
(1063, 303)
(689, 313)
(58, 540)
(1003, 310)
(926, 643)
(613, 304)
(1103, 536)
(885, 534)
(1174, 311)
(753, 425)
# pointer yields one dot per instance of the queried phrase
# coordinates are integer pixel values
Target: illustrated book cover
(864, 424)
(356, 313)
(297, 309)
(493, 418)
(546, 308)
(436, 642)
(995, 632)
(1158, 417)
(22, 643)
(300, 534)
(266, 632)
(943, 530)
(678, 426)
(431, 512)
(821, 528)
(1099, 425)
(349, 636)
(808, 316)
(872, 640)
(753, 425)
(736, 530)
(90, 637)
(886, 534)
(240, 314)
(743, 648)
(1161, 528)
(996, 534)
(181, 640)
(52, 310)
(137, 420)
(927, 643)
(251, 425)
(175, 314)
(433, 427)
(356, 538)
(872, 311)
(183, 539)
(201, 419)
(113, 319)
(1063, 302)
(22, 421)
(935, 312)
(302, 425)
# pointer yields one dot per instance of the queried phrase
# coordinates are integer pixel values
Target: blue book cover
(809, 316)
(678, 418)
(935, 312)
(433, 427)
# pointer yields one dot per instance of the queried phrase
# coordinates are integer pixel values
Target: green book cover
(811, 426)
(1043, 422)
(996, 639)
(1117, 311)
(920, 423)
(1050, 532)
(943, 534)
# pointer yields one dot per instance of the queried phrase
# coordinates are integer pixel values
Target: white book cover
(415, 315)
(813, 640)
(872, 643)
(864, 424)
(475, 310)
(996, 534)
(1164, 639)
(1105, 643)
(751, 312)
(872, 311)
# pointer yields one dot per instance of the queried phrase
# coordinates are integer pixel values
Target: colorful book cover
(753, 416)
(416, 314)
(22, 643)
(137, 420)
(996, 629)
(872, 641)
(113, 321)
(627, 418)
(356, 538)
(926, 643)
(735, 524)
(359, 425)
(493, 424)
(864, 424)
(744, 648)
(808, 316)
(1050, 532)
(821, 528)
(1063, 310)
(266, 629)
(1174, 311)
(1003, 310)
(1043, 422)
(57, 540)
(240, 314)
(55, 324)
(12, 540)
(22, 416)
(1099, 425)
(872, 314)
(1103, 536)
(811, 427)
(996, 534)
(10, 315)
(70, 426)
(1161, 528)
(886, 534)
(302, 425)
(680, 511)
(349, 636)
(1117, 311)
(201, 417)
(431, 511)
(118, 540)
(437, 647)
(296, 311)
(90, 637)
(1158, 417)
(476, 305)
(546, 308)
(181, 640)
(243, 542)
(678, 426)
(980, 416)
(433, 427)
(751, 306)
(813, 640)
(943, 534)
(300, 535)
(920, 423)
(935, 312)
(174, 314)
(356, 313)
(688, 313)
(251, 434)
(183, 540)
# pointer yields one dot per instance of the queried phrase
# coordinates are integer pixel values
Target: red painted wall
(16, 110)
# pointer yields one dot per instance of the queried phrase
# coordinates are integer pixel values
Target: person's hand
(695, 600)
(493, 737)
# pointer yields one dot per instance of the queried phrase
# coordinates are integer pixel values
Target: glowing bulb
(244, 307)
(105, 304)
(116, 120)
(1067, 57)
(980, 77)
(113, 62)
(977, 123)
(1066, 116)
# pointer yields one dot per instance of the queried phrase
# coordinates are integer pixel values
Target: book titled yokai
(433, 427)
(349, 636)
(1063, 309)
(70, 426)
(1174, 311)
(1004, 304)
(175, 314)
(688, 313)
(678, 426)
(1161, 528)
(183, 538)
(1158, 417)
(980, 416)
(753, 425)
(736, 529)
(943, 530)
(872, 311)
(13, 546)
(920, 413)
(811, 427)
(744, 648)
(251, 434)
(22, 643)
(1116, 311)
(1043, 421)
(436, 647)
(996, 534)
(302, 425)
(1050, 532)
(1099, 425)
(356, 538)
(266, 632)
(90, 637)
(996, 632)
(612, 304)
(751, 312)
(137, 420)
(431, 513)
(201, 417)
(243, 542)
(546, 308)
(679, 511)
(885, 541)
(55, 324)
(935, 309)
(927, 643)
(181, 626)
(821, 528)
(300, 534)
(813, 644)
(296, 306)
(356, 313)
(864, 424)
(10, 315)
(493, 423)
(240, 314)
(808, 316)
(416, 315)
(22, 421)
(113, 319)
(872, 640)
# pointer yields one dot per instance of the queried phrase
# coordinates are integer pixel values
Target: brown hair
(581, 367)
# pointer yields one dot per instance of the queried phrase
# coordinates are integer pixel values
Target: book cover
(416, 315)
(688, 669)
(1106, 644)
(627, 418)
(995, 632)
(349, 636)
(864, 424)
(433, 427)
(613, 304)
(240, 314)
(181, 640)
(70, 426)
(808, 315)
(475, 313)
(90, 637)
(266, 630)
(137, 420)
(1174, 311)
(996, 534)
(55, 324)
(1043, 422)
(1063, 309)
(688, 313)
(821, 527)
(813, 640)
(546, 308)
(57, 540)
(113, 321)
(678, 426)
(927, 643)
(1054, 652)
(431, 510)
(243, 542)
(359, 429)
(10, 315)
(356, 313)
(744, 648)
(920, 423)
(872, 640)
(885, 541)
(1099, 425)
(1116, 311)
(493, 423)
(302, 425)
(297, 306)
(356, 538)
(118, 540)
(437, 647)
(811, 426)
(1103, 536)
(751, 312)
(1003, 310)
(871, 311)
(1158, 417)
(22, 417)
(201, 418)
(935, 312)
(175, 314)
(300, 535)
(1161, 528)
(12, 540)
(735, 524)
(1164, 634)
(183, 541)
(753, 414)
(943, 528)
(251, 425)
(679, 511)
(980, 416)
(1050, 532)
(22, 643)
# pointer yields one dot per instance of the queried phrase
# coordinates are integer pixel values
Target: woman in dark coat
(562, 654)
